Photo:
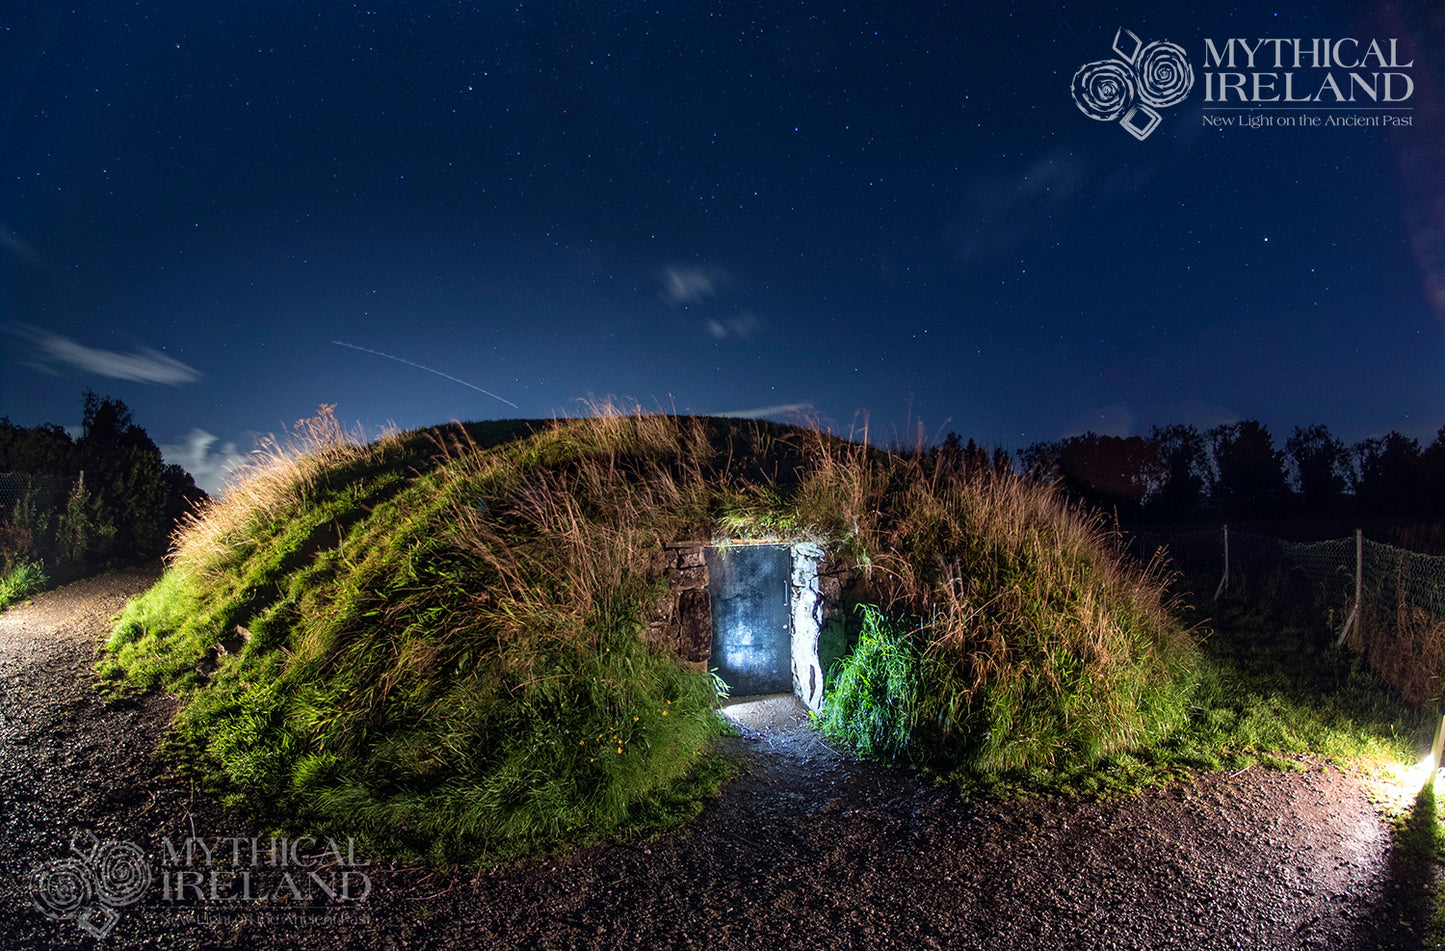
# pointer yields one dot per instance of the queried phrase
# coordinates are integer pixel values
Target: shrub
(20, 582)
(1020, 634)
(874, 702)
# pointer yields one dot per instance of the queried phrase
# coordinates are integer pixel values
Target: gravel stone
(808, 848)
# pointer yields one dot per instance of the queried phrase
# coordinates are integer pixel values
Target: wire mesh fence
(1385, 602)
(47, 491)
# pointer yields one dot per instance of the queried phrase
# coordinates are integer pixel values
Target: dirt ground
(808, 848)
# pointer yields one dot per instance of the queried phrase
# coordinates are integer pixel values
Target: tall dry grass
(1403, 642)
(280, 474)
(1037, 639)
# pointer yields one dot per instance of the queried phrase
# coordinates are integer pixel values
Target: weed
(874, 701)
(21, 581)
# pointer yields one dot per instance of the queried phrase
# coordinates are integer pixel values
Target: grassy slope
(435, 643)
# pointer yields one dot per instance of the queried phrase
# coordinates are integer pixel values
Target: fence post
(1224, 578)
(1354, 617)
(1436, 749)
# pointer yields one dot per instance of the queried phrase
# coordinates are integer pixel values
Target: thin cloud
(210, 465)
(741, 327)
(1006, 212)
(20, 248)
(53, 352)
(691, 285)
(767, 412)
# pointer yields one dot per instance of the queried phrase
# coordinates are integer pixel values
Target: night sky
(886, 210)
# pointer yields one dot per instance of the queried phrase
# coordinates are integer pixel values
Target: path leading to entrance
(807, 848)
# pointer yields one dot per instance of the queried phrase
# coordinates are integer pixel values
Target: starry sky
(226, 214)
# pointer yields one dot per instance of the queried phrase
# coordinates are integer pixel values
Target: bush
(874, 701)
(20, 582)
(105, 501)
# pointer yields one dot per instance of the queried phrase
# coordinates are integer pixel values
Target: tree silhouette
(1389, 476)
(1321, 466)
(123, 499)
(1432, 477)
(972, 457)
(46, 449)
(1249, 475)
(1112, 472)
(1185, 455)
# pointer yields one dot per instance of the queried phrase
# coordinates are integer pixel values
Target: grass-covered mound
(1010, 634)
(436, 643)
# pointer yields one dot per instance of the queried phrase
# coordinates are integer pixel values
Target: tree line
(105, 500)
(1235, 471)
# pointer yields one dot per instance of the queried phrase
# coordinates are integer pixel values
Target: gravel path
(807, 849)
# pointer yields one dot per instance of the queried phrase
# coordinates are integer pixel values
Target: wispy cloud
(696, 289)
(20, 248)
(691, 285)
(768, 412)
(741, 327)
(52, 352)
(1007, 211)
(209, 464)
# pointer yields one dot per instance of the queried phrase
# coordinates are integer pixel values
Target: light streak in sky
(445, 376)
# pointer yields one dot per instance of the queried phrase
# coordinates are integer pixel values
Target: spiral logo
(122, 873)
(1104, 90)
(1132, 88)
(87, 888)
(62, 888)
(1165, 76)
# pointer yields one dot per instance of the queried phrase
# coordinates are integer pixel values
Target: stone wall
(806, 607)
(682, 620)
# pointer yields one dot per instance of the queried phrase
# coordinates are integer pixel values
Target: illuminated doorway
(765, 619)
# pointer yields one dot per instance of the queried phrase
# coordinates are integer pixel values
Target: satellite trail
(445, 376)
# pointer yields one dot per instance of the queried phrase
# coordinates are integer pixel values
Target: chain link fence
(47, 491)
(1385, 602)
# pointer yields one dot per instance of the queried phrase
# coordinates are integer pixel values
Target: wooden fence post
(1354, 617)
(1436, 749)
(1224, 578)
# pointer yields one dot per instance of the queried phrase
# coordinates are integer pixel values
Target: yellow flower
(664, 713)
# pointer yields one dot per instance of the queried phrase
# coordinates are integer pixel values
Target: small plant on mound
(874, 700)
(1014, 628)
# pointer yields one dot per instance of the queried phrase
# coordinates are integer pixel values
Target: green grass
(873, 701)
(21, 582)
(1266, 694)
(1420, 850)
(437, 643)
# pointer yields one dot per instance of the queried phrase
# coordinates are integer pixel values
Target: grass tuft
(21, 581)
